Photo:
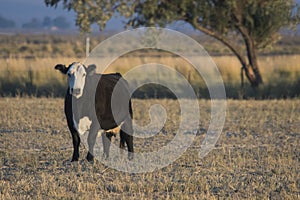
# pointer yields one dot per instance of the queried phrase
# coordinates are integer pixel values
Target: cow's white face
(76, 79)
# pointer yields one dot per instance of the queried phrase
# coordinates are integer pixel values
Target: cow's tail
(130, 109)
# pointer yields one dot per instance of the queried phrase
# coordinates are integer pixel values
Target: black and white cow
(91, 94)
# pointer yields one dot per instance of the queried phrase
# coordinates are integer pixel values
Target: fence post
(87, 46)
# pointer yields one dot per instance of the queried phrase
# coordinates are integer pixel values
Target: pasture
(256, 157)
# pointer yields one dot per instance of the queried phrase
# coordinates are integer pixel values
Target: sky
(22, 11)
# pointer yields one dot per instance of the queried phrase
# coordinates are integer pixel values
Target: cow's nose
(75, 91)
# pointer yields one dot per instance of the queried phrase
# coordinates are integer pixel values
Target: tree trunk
(251, 69)
(254, 75)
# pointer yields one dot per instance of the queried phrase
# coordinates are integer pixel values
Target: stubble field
(256, 157)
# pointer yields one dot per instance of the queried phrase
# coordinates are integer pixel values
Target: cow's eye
(84, 75)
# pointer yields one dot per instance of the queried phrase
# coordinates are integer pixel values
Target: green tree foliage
(95, 11)
(244, 26)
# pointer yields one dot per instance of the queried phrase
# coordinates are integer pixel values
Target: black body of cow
(103, 110)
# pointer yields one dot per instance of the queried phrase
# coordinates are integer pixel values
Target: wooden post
(87, 46)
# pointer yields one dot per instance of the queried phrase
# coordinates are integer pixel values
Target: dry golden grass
(36, 77)
(256, 157)
(270, 66)
(229, 66)
(43, 68)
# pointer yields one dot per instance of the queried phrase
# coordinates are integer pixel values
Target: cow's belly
(107, 124)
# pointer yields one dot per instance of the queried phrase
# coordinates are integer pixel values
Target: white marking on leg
(100, 132)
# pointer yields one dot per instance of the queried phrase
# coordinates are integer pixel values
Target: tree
(254, 22)
(47, 22)
(33, 24)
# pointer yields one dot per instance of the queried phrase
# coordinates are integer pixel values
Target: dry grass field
(229, 66)
(36, 77)
(256, 157)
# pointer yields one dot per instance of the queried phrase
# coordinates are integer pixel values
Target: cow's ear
(91, 69)
(62, 68)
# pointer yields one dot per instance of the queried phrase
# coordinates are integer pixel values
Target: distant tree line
(6, 23)
(59, 22)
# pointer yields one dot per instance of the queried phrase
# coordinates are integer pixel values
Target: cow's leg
(70, 122)
(122, 139)
(91, 143)
(106, 139)
(126, 135)
(76, 143)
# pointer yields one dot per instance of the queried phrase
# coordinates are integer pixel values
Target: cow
(91, 94)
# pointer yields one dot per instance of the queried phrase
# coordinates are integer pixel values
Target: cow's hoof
(130, 156)
(122, 146)
(105, 156)
(74, 159)
(90, 158)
